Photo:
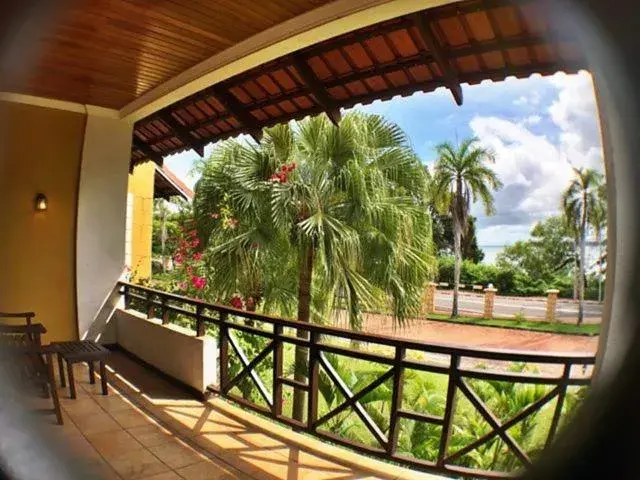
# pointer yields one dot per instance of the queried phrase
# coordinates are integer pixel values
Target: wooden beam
(238, 110)
(146, 149)
(436, 50)
(183, 133)
(317, 89)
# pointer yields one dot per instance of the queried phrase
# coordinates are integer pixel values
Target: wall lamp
(41, 202)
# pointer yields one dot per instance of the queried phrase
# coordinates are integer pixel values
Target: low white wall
(171, 349)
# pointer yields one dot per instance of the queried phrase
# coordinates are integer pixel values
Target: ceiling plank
(238, 110)
(448, 72)
(147, 151)
(317, 89)
(183, 133)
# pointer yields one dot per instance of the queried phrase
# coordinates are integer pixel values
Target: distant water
(491, 252)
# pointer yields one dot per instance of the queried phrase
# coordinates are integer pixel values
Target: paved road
(509, 306)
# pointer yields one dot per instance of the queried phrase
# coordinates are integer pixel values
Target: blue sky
(538, 128)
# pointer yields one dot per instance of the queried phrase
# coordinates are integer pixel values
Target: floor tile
(210, 471)
(137, 464)
(96, 423)
(81, 406)
(164, 476)
(176, 454)
(130, 418)
(112, 403)
(113, 444)
(151, 435)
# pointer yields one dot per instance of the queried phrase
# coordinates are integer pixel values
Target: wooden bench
(82, 351)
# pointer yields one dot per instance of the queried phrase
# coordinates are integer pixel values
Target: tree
(318, 216)
(548, 254)
(598, 222)
(460, 177)
(443, 237)
(579, 202)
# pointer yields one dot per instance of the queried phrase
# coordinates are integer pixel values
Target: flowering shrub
(189, 264)
(282, 175)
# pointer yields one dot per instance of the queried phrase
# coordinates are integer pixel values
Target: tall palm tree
(598, 222)
(318, 217)
(580, 205)
(461, 176)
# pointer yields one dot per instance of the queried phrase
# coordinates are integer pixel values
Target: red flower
(195, 242)
(236, 302)
(199, 282)
(274, 178)
(293, 166)
(178, 259)
(197, 257)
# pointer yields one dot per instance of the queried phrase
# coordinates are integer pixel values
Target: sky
(537, 127)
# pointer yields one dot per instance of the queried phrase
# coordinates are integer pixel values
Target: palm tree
(579, 202)
(460, 177)
(598, 221)
(318, 217)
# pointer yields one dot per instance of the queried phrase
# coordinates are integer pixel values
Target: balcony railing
(253, 352)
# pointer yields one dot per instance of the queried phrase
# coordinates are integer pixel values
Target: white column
(102, 201)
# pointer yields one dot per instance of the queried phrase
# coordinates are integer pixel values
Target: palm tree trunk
(581, 285)
(304, 315)
(583, 258)
(457, 234)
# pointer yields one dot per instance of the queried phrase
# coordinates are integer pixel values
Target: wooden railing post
(127, 300)
(165, 311)
(200, 330)
(449, 409)
(558, 410)
(312, 395)
(223, 341)
(149, 305)
(276, 408)
(396, 399)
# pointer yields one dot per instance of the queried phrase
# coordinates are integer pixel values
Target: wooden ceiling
(461, 43)
(109, 52)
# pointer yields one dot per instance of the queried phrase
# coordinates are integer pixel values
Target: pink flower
(199, 282)
(195, 242)
(182, 285)
(178, 259)
(197, 257)
(214, 215)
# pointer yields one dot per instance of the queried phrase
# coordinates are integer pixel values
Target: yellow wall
(40, 152)
(141, 184)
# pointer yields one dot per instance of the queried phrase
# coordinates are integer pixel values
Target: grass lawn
(538, 326)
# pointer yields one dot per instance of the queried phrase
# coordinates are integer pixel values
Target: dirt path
(472, 336)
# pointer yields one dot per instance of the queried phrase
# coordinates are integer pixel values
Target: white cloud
(531, 100)
(532, 120)
(536, 168)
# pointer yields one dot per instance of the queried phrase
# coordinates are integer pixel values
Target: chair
(28, 316)
(25, 364)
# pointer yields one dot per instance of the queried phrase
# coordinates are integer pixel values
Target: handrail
(316, 341)
(489, 354)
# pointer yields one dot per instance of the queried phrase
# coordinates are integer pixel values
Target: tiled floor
(146, 428)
